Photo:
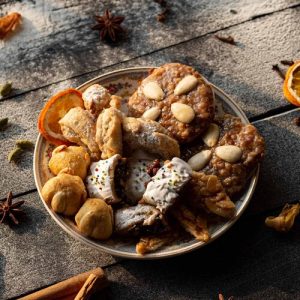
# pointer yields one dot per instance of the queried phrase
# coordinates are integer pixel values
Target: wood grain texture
(56, 42)
(55, 49)
(280, 173)
(254, 86)
(38, 253)
(249, 262)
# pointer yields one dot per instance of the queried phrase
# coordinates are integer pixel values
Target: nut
(185, 85)
(229, 153)
(211, 136)
(153, 91)
(199, 160)
(152, 113)
(182, 112)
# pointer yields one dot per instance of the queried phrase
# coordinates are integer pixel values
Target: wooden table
(56, 49)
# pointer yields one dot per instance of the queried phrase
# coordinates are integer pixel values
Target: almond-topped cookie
(182, 99)
(239, 150)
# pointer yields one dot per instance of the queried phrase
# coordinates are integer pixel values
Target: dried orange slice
(291, 86)
(54, 110)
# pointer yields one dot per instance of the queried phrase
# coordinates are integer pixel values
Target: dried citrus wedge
(291, 86)
(54, 110)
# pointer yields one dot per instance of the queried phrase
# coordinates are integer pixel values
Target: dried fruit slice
(291, 87)
(54, 110)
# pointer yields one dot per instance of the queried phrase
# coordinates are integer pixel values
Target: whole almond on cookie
(182, 112)
(199, 160)
(185, 85)
(152, 113)
(211, 136)
(229, 153)
(153, 91)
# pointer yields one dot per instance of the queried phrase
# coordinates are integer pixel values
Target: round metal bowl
(124, 82)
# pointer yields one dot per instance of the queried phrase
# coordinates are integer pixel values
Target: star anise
(9, 210)
(109, 26)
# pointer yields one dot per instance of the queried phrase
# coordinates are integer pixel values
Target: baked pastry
(206, 191)
(73, 160)
(135, 219)
(149, 136)
(95, 219)
(96, 98)
(64, 193)
(109, 132)
(176, 83)
(78, 126)
(115, 102)
(196, 225)
(101, 182)
(136, 179)
(152, 243)
(237, 153)
(162, 190)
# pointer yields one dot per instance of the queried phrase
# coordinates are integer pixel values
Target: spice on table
(21, 146)
(287, 62)
(92, 285)
(285, 221)
(9, 210)
(5, 89)
(3, 123)
(109, 26)
(296, 121)
(14, 154)
(278, 71)
(226, 39)
(9, 23)
(161, 17)
(24, 144)
(68, 288)
(162, 3)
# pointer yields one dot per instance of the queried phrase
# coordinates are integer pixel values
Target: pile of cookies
(166, 167)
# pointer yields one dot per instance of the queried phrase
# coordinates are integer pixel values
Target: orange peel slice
(291, 86)
(54, 110)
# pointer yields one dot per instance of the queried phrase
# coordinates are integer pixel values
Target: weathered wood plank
(56, 41)
(249, 81)
(249, 262)
(280, 173)
(38, 252)
(276, 185)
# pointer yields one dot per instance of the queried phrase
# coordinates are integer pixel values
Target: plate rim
(155, 255)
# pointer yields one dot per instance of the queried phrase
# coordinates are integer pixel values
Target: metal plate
(124, 82)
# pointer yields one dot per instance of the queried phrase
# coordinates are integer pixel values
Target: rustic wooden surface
(55, 49)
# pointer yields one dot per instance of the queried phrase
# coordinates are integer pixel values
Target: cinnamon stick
(91, 286)
(67, 289)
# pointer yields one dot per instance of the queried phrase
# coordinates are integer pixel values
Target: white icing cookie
(162, 190)
(137, 179)
(101, 183)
